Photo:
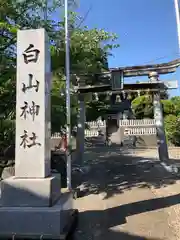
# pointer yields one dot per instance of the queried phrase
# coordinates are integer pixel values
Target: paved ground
(129, 196)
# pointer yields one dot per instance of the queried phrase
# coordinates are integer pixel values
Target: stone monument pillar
(31, 200)
(81, 130)
(158, 116)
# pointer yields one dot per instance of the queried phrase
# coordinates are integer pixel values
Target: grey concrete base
(43, 221)
(18, 192)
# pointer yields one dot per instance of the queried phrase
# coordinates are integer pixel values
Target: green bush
(176, 101)
(172, 128)
(168, 107)
(143, 107)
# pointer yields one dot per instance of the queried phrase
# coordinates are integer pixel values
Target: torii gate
(113, 81)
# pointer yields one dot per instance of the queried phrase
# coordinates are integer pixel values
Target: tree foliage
(168, 107)
(14, 15)
(89, 50)
(172, 128)
(176, 102)
(143, 108)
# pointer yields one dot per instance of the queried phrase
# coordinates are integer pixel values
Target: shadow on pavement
(114, 235)
(113, 171)
(99, 224)
(124, 236)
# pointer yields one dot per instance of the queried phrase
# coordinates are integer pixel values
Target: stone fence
(131, 127)
(135, 131)
(137, 122)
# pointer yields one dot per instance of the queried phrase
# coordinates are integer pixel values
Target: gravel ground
(129, 196)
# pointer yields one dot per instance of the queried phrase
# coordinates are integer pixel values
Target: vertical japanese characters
(30, 109)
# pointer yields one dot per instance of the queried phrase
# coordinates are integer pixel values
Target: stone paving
(128, 195)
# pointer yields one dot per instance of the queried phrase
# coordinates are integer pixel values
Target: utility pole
(176, 3)
(68, 103)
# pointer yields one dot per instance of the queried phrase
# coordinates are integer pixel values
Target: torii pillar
(158, 116)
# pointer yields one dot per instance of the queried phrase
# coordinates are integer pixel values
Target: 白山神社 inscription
(30, 84)
(31, 54)
(33, 106)
(33, 110)
(29, 141)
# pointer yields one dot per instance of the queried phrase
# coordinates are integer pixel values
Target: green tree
(168, 107)
(15, 15)
(172, 128)
(89, 49)
(176, 102)
(143, 107)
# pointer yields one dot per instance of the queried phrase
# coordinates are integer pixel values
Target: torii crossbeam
(101, 82)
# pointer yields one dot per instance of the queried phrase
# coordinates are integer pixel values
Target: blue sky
(146, 30)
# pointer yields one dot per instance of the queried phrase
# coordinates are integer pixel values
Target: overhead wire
(85, 16)
(163, 57)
